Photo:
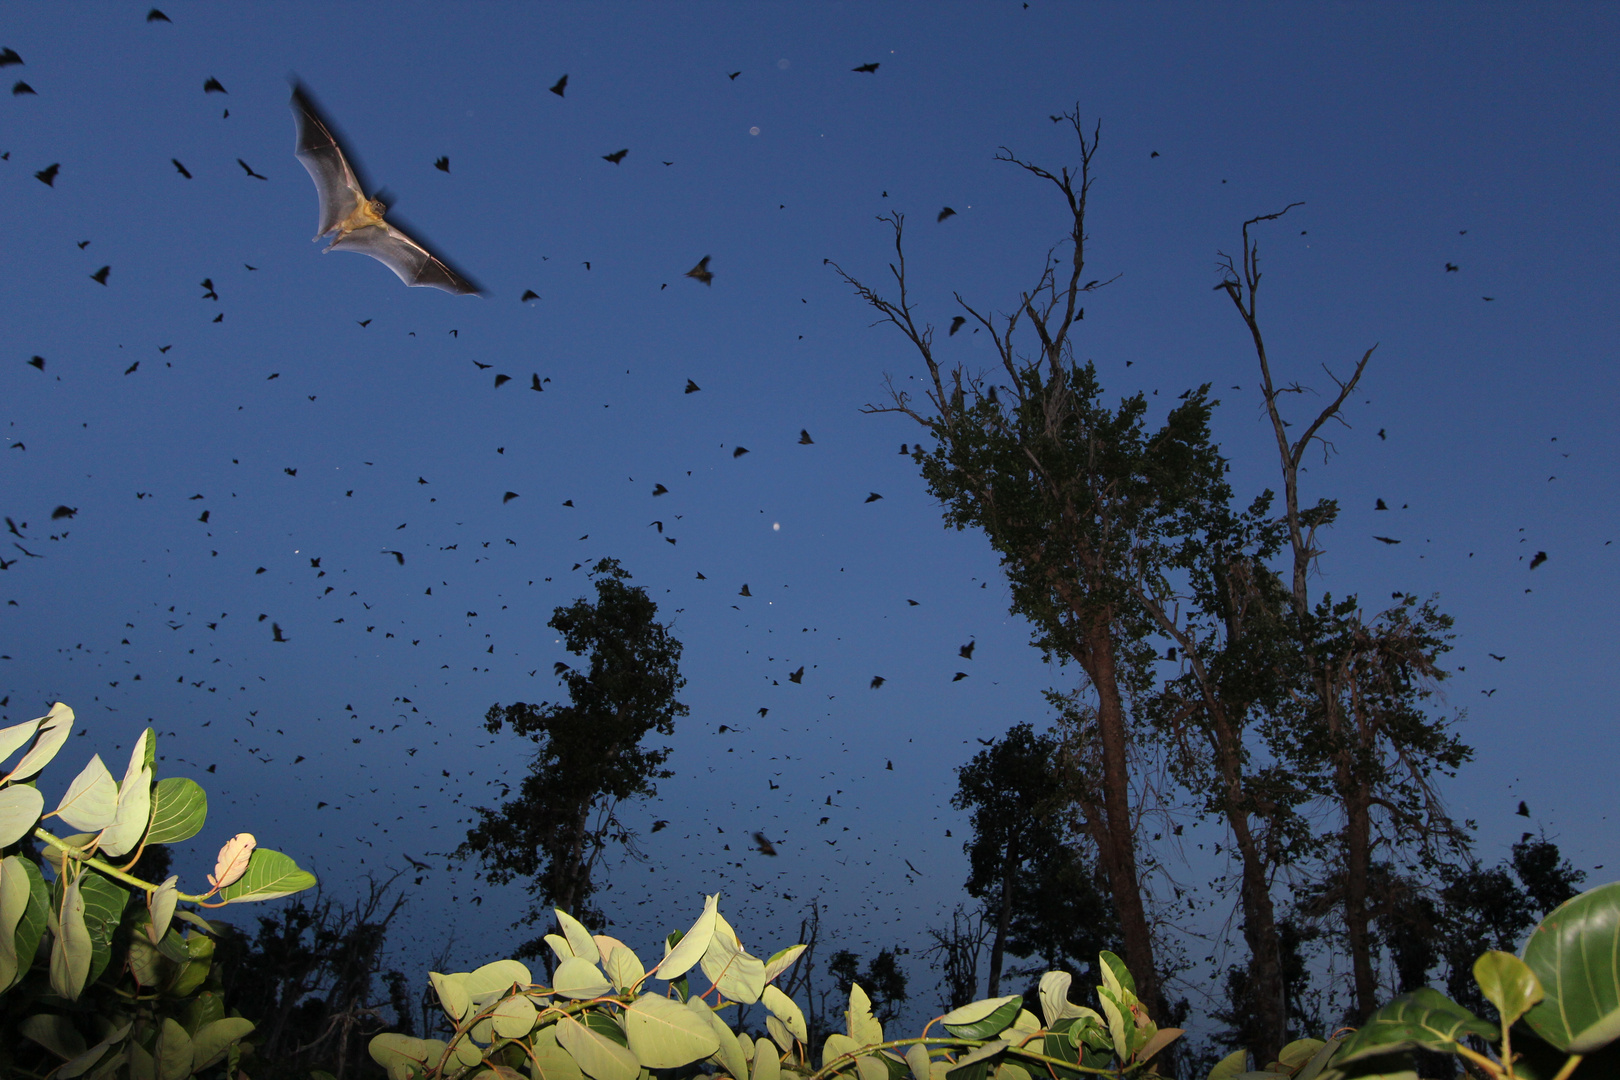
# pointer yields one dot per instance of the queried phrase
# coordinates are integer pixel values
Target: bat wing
(335, 181)
(414, 264)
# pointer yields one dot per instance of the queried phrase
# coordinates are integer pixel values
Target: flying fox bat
(356, 219)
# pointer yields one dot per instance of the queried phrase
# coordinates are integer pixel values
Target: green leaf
(201, 1011)
(453, 996)
(1575, 952)
(729, 967)
(1424, 1019)
(1115, 974)
(664, 1034)
(20, 807)
(1298, 1052)
(554, 1062)
(35, 919)
(780, 1034)
(781, 961)
(624, 968)
(579, 938)
(1508, 983)
(493, 980)
(732, 1056)
(55, 1033)
(70, 947)
(1231, 1066)
(270, 875)
(514, 1017)
(1156, 1042)
(173, 1053)
(1119, 1021)
(605, 1025)
(214, 1039)
(15, 735)
(84, 1061)
(767, 1066)
(91, 801)
(787, 1011)
(917, 1060)
(693, 944)
(179, 808)
(862, 1026)
(1319, 1060)
(982, 1019)
(104, 903)
(14, 896)
(54, 729)
(160, 906)
(580, 979)
(390, 1049)
(870, 1067)
(836, 1047)
(597, 1056)
(134, 813)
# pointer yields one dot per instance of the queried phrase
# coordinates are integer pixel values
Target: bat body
(356, 219)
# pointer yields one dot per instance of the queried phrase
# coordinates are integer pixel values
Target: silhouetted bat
(356, 219)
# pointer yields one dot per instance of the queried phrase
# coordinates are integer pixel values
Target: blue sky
(1416, 136)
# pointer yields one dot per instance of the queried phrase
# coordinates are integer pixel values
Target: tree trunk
(1117, 835)
(1357, 865)
(998, 949)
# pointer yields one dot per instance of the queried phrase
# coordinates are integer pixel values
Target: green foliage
(1557, 1006)
(590, 756)
(505, 1026)
(90, 983)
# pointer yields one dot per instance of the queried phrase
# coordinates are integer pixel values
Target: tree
(308, 979)
(1074, 495)
(883, 981)
(590, 755)
(1360, 728)
(1036, 889)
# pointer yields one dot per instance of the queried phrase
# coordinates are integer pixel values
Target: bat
(356, 219)
(865, 69)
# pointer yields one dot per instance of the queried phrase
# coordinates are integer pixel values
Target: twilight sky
(334, 414)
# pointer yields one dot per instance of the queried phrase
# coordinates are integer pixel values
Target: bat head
(379, 207)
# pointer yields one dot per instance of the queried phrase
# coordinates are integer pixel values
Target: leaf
(1118, 1035)
(1319, 1061)
(215, 1038)
(554, 1062)
(390, 1049)
(14, 896)
(91, 800)
(780, 1034)
(983, 1053)
(597, 1056)
(31, 928)
(781, 961)
(624, 969)
(579, 938)
(179, 808)
(160, 906)
(729, 967)
(134, 813)
(79, 1064)
(54, 729)
(1160, 1039)
(1115, 974)
(270, 875)
(1575, 952)
(55, 1033)
(1508, 983)
(580, 979)
(493, 980)
(836, 1047)
(733, 1055)
(869, 1067)
(20, 807)
(453, 996)
(559, 945)
(104, 903)
(173, 1053)
(693, 944)
(787, 1011)
(1298, 1052)
(767, 1066)
(917, 1061)
(514, 1017)
(232, 861)
(1054, 994)
(982, 1019)
(15, 735)
(1423, 1019)
(664, 1034)
(862, 1026)
(70, 949)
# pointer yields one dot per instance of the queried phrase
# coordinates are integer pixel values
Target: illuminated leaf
(179, 808)
(91, 801)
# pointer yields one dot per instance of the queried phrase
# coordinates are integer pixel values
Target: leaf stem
(79, 855)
